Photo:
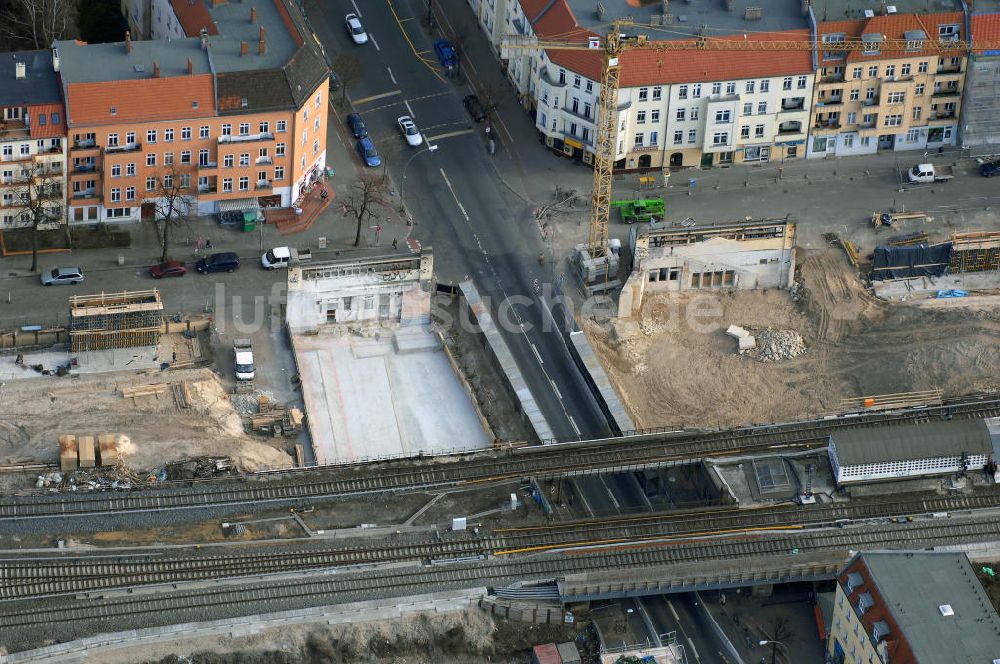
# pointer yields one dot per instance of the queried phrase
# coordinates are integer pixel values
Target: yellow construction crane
(597, 264)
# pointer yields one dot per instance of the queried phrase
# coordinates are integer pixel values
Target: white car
(354, 29)
(409, 130)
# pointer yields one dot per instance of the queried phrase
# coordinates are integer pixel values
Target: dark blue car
(445, 54)
(990, 168)
(366, 150)
(357, 125)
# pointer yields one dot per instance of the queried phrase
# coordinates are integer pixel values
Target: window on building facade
(758, 131)
(873, 71)
(279, 148)
(890, 71)
(696, 90)
(716, 88)
(918, 89)
(723, 115)
(854, 94)
(904, 70)
(112, 140)
(227, 130)
(720, 138)
(203, 157)
(749, 87)
(280, 126)
(654, 138)
(279, 172)
(922, 68)
(150, 183)
(116, 170)
(693, 113)
(130, 170)
(731, 88)
(590, 86)
(765, 85)
(168, 181)
(681, 114)
(893, 120)
(786, 83)
(245, 159)
(692, 135)
(745, 131)
(116, 195)
(227, 185)
(244, 183)
(185, 133)
(244, 129)
(917, 110)
(657, 93)
(227, 161)
(682, 92)
(913, 135)
(868, 118)
(151, 160)
(678, 136)
(762, 108)
(168, 135)
(168, 158)
(150, 135)
(803, 82)
(562, 76)
(640, 117)
(654, 115)
(748, 108)
(638, 139)
(896, 97)
(577, 81)
(130, 193)
(265, 127)
(852, 117)
(203, 132)
(186, 157)
(643, 94)
(857, 72)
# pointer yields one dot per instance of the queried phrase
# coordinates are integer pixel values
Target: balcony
(792, 105)
(263, 160)
(128, 147)
(827, 124)
(871, 102)
(788, 128)
(263, 185)
(247, 138)
(14, 158)
(54, 193)
(550, 81)
(832, 78)
(86, 193)
(85, 143)
(645, 148)
(14, 129)
(577, 114)
(832, 101)
(947, 115)
(949, 69)
(207, 189)
(85, 167)
(947, 92)
(207, 165)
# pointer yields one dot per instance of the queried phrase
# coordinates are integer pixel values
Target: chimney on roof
(20, 70)
(253, 14)
(204, 39)
(244, 48)
(190, 67)
(128, 41)
(261, 45)
(156, 69)
(55, 59)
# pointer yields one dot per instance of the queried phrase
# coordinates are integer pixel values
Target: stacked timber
(67, 453)
(86, 451)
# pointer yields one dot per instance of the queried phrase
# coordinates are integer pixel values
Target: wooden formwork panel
(67, 453)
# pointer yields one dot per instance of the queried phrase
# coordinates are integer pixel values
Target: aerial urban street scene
(508, 331)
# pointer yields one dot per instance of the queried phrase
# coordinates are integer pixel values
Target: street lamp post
(774, 648)
(402, 179)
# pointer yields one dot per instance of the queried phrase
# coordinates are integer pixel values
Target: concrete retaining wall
(599, 383)
(84, 650)
(503, 362)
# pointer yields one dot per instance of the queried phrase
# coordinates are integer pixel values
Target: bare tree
(36, 23)
(349, 69)
(171, 201)
(366, 201)
(780, 634)
(492, 99)
(37, 190)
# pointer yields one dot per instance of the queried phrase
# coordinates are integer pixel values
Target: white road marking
(693, 649)
(572, 422)
(555, 389)
(455, 196)
(603, 483)
(356, 10)
(673, 611)
(391, 76)
(408, 109)
(372, 37)
(538, 357)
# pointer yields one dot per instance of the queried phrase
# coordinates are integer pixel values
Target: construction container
(67, 453)
(545, 654)
(86, 451)
(108, 444)
(569, 653)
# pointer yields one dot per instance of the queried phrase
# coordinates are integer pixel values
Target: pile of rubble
(774, 345)
(123, 478)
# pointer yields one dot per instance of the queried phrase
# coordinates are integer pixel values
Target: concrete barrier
(503, 362)
(599, 383)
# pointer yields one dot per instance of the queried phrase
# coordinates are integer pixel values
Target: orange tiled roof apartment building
(236, 113)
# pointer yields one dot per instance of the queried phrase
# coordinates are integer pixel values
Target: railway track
(560, 460)
(21, 579)
(22, 622)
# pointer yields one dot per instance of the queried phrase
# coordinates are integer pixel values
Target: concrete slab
(927, 287)
(366, 398)
(93, 361)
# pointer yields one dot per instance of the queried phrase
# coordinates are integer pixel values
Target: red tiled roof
(49, 129)
(532, 8)
(986, 27)
(140, 100)
(892, 26)
(193, 16)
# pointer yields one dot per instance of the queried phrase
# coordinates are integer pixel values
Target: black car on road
(474, 107)
(223, 262)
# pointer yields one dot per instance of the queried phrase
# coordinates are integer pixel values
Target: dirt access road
(677, 367)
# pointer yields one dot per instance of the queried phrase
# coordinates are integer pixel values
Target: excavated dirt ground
(34, 413)
(675, 368)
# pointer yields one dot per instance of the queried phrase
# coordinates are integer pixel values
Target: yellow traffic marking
(412, 47)
(365, 100)
(449, 134)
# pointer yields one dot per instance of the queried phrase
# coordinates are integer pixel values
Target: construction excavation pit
(674, 365)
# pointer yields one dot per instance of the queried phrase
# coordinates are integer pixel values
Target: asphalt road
(477, 228)
(678, 614)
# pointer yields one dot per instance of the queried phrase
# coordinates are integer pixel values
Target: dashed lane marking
(365, 100)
